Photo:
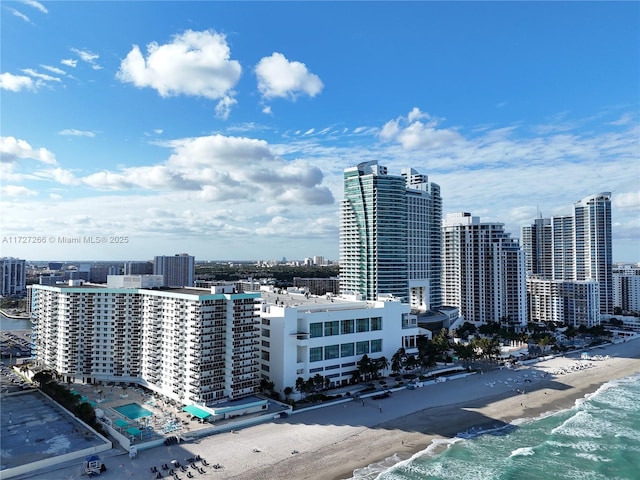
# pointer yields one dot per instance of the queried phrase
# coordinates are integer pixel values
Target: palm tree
(287, 391)
(427, 361)
(364, 366)
(310, 385)
(382, 363)
(464, 352)
(318, 380)
(410, 362)
(544, 342)
(397, 359)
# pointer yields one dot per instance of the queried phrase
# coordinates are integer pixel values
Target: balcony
(300, 335)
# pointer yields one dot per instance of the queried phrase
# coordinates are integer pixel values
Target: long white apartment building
(564, 302)
(189, 344)
(303, 336)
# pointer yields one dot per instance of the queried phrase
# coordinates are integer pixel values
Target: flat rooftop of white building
(300, 300)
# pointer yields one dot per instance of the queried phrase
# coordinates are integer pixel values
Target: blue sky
(222, 129)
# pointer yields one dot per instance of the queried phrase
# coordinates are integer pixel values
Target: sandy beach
(332, 442)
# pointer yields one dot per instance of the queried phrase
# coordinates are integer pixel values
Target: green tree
(466, 353)
(397, 360)
(544, 342)
(45, 377)
(364, 366)
(318, 381)
(441, 341)
(410, 363)
(382, 363)
(427, 362)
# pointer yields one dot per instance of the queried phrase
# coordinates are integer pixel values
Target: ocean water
(599, 438)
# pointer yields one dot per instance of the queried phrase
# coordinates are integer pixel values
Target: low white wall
(123, 440)
(50, 462)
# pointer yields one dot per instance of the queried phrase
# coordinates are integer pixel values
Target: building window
(376, 323)
(376, 346)
(362, 348)
(331, 351)
(347, 326)
(266, 332)
(315, 354)
(331, 328)
(315, 330)
(363, 325)
(346, 350)
(265, 355)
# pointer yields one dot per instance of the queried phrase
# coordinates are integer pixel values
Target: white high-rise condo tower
(483, 271)
(575, 248)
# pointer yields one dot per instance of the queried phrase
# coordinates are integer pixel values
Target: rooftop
(298, 299)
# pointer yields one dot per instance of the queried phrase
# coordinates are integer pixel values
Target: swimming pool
(133, 411)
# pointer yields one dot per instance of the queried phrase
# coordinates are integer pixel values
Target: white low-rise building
(303, 335)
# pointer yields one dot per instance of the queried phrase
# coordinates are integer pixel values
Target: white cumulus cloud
(418, 130)
(193, 63)
(15, 83)
(630, 200)
(278, 77)
(12, 149)
(17, 191)
(69, 62)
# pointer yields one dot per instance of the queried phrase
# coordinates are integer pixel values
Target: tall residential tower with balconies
(191, 345)
(390, 235)
(575, 248)
(483, 271)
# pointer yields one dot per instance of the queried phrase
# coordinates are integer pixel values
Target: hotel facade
(190, 345)
(303, 336)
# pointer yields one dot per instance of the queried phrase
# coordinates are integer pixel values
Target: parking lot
(15, 344)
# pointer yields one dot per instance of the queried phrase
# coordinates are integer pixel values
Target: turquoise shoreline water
(597, 439)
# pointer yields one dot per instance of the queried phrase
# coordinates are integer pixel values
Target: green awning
(133, 431)
(121, 423)
(196, 412)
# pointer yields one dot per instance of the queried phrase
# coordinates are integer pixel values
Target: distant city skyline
(151, 128)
